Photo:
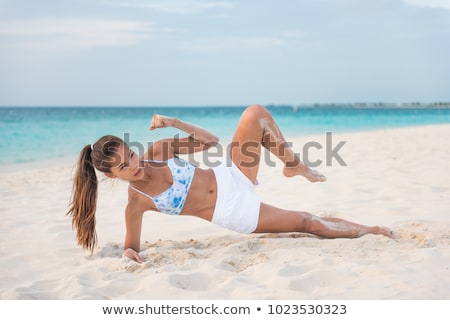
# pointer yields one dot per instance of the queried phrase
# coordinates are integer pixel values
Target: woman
(223, 194)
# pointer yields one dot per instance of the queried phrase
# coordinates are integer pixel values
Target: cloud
(443, 4)
(68, 33)
(176, 7)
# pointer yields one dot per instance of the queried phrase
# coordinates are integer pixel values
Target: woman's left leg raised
(257, 128)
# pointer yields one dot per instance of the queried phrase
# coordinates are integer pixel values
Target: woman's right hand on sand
(133, 255)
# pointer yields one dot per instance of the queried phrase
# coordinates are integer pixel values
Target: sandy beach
(398, 178)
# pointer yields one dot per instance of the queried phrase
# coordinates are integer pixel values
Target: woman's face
(126, 165)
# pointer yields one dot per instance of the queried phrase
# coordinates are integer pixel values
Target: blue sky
(224, 52)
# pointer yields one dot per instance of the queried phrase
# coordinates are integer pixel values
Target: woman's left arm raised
(198, 139)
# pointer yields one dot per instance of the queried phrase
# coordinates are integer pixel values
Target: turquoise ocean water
(33, 134)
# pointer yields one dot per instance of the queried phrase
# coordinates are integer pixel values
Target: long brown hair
(100, 156)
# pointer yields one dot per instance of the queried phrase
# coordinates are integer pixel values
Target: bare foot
(315, 176)
(308, 173)
(383, 231)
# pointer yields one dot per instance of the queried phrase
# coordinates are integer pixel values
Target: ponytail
(85, 188)
(84, 201)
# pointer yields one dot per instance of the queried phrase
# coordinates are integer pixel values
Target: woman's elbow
(212, 142)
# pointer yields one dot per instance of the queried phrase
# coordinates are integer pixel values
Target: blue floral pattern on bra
(171, 201)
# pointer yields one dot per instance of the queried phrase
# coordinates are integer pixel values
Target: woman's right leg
(276, 220)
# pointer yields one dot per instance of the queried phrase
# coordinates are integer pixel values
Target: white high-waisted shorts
(237, 204)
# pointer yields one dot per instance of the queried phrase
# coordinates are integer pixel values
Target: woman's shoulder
(137, 203)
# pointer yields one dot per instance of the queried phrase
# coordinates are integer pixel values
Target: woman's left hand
(159, 121)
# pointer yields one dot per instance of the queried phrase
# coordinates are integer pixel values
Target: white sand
(398, 178)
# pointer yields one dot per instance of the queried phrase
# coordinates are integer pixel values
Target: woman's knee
(307, 223)
(256, 111)
(299, 221)
(316, 225)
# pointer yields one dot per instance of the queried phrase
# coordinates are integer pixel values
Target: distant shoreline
(362, 105)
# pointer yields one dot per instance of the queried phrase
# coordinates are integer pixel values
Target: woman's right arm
(133, 221)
